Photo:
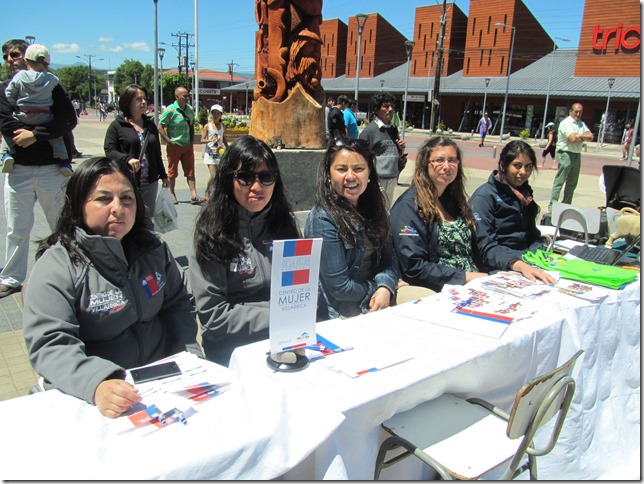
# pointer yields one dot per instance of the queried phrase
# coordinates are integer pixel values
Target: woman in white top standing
(215, 142)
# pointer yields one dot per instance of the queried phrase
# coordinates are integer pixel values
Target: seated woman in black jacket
(432, 225)
(505, 214)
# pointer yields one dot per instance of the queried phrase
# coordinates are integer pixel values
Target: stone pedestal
(299, 172)
(296, 122)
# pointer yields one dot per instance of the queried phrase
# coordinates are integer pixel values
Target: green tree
(4, 72)
(170, 83)
(129, 72)
(75, 80)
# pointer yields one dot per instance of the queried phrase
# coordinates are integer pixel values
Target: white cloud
(139, 46)
(105, 48)
(105, 39)
(65, 48)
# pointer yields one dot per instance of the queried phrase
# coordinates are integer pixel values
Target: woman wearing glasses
(230, 266)
(358, 268)
(432, 225)
(506, 212)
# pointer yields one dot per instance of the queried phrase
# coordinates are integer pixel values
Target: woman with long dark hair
(105, 293)
(133, 140)
(432, 225)
(358, 268)
(230, 265)
(505, 213)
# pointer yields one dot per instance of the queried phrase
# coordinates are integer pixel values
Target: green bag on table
(581, 270)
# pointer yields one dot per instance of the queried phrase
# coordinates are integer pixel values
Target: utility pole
(231, 70)
(179, 36)
(439, 66)
(188, 45)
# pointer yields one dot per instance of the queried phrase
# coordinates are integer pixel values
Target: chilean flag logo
(150, 285)
(296, 248)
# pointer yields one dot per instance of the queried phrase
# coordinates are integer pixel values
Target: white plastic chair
(466, 439)
(577, 219)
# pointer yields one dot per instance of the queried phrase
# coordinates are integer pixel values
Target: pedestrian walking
(550, 146)
(485, 125)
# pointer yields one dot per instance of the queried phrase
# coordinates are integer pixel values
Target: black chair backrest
(623, 186)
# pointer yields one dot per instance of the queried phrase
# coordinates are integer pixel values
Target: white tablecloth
(319, 424)
(240, 434)
(601, 434)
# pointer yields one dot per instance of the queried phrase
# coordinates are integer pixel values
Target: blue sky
(115, 30)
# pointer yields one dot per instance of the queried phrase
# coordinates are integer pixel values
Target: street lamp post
(156, 63)
(409, 47)
(30, 38)
(552, 63)
(487, 83)
(611, 81)
(507, 82)
(246, 104)
(361, 18)
(89, 62)
(194, 87)
(382, 84)
(161, 52)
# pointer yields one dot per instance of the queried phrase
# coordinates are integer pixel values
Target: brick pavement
(16, 375)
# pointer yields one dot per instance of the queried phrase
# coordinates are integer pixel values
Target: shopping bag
(165, 216)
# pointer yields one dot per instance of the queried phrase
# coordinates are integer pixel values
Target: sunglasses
(14, 55)
(359, 144)
(247, 178)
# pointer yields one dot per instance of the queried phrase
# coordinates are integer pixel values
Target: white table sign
(294, 293)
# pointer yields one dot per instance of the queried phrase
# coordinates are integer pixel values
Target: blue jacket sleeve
(388, 277)
(334, 265)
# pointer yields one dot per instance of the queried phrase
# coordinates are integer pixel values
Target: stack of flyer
(514, 284)
(173, 399)
(470, 308)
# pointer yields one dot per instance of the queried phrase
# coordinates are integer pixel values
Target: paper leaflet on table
(295, 268)
(323, 348)
(172, 399)
(469, 308)
(357, 362)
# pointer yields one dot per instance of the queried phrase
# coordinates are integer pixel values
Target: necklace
(137, 124)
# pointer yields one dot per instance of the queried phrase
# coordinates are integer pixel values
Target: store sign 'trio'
(626, 37)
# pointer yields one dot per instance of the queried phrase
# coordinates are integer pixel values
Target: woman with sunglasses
(358, 268)
(506, 212)
(230, 266)
(432, 225)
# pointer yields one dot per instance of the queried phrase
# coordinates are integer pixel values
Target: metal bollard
(494, 152)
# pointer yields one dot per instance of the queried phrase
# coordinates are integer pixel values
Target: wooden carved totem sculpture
(288, 107)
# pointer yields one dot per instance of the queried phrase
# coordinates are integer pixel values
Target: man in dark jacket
(337, 127)
(35, 175)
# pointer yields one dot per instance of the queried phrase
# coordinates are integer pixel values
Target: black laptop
(602, 255)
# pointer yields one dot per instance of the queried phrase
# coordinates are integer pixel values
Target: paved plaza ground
(16, 374)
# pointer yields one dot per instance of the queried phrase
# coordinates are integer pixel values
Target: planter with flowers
(234, 129)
